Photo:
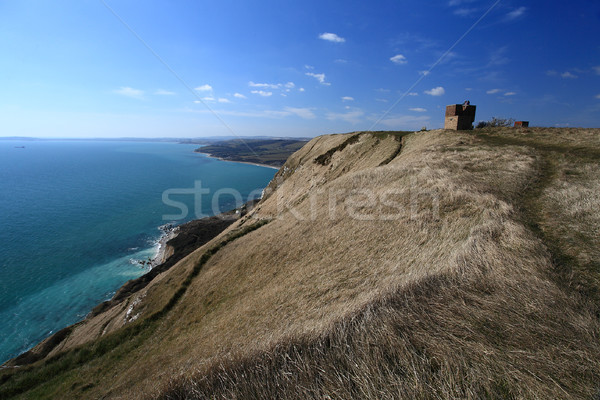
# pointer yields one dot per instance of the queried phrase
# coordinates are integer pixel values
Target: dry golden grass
(433, 276)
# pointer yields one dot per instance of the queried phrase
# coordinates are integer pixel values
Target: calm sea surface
(75, 216)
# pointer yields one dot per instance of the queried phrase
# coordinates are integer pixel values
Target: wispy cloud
(305, 113)
(398, 59)
(274, 114)
(498, 57)
(418, 109)
(568, 75)
(262, 93)
(319, 77)
(413, 94)
(347, 98)
(517, 13)
(274, 86)
(204, 88)
(301, 89)
(597, 69)
(598, 96)
(493, 91)
(510, 93)
(263, 85)
(208, 98)
(353, 117)
(223, 100)
(437, 91)
(162, 92)
(239, 96)
(130, 92)
(405, 121)
(331, 37)
(464, 12)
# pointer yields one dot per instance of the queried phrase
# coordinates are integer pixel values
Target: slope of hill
(378, 265)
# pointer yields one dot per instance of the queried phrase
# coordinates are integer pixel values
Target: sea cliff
(377, 265)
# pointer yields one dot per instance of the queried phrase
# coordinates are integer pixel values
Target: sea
(80, 218)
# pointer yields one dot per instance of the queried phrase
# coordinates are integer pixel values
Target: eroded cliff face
(370, 255)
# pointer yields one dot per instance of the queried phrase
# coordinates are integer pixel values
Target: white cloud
(239, 96)
(437, 91)
(162, 92)
(197, 102)
(204, 88)
(468, 89)
(223, 100)
(274, 86)
(331, 37)
(406, 121)
(208, 98)
(464, 12)
(598, 96)
(382, 100)
(264, 85)
(353, 117)
(413, 94)
(568, 75)
(347, 98)
(130, 92)
(398, 59)
(301, 89)
(309, 67)
(494, 91)
(305, 113)
(424, 73)
(551, 73)
(516, 13)
(340, 61)
(382, 90)
(418, 109)
(597, 69)
(510, 93)
(262, 93)
(319, 77)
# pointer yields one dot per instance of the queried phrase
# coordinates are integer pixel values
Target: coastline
(241, 162)
(170, 231)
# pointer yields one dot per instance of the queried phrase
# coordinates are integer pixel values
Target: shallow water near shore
(77, 215)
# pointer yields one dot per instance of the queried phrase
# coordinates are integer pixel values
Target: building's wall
(459, 117)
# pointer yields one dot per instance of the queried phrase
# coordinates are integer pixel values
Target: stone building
(460, 116)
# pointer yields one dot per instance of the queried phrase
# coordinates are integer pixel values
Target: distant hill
(388, 265)
(272, 152)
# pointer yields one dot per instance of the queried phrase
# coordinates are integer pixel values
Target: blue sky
(92, 68)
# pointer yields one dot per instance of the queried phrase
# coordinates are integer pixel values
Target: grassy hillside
(390, 265)
(273, 152)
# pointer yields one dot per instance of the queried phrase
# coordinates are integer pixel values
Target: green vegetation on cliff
(272, 152)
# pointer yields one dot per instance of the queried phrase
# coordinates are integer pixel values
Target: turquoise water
(75, 215)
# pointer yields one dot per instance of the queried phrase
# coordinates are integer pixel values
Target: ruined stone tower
(460, 116)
